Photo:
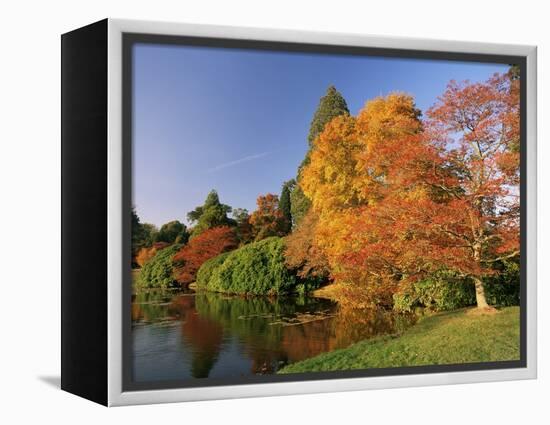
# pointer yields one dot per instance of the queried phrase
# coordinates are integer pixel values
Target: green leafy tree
(143, 235)
(150, 233)
(299, 205)
(212, 214)
(243, 228)
(137, 233)
(285, 204)
(331, 105)
(173, 231)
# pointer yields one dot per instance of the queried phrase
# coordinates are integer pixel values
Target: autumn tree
(211, 214)
(399, 199)
(267, 220)
(303, 254)
(331, 105)
(347, 176)
(329, 180)
(201, 248)
(480, 121)
(148, 252)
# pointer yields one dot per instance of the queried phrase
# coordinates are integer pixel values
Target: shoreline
(453, 337)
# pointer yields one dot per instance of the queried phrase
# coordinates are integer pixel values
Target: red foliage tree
(481, 124)
(201, 248)
(268, 220)
(449, 198)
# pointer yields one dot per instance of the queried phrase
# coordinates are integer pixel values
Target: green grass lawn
(444, 338)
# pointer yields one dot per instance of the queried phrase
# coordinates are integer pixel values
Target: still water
(179, 335)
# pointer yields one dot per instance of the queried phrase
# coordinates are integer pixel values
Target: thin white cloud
(238, 161)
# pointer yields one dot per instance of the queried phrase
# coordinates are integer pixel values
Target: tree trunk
(480, 294)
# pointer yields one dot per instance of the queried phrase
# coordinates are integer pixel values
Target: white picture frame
(116, 395)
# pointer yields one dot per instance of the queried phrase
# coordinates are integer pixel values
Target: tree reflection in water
(269, 332)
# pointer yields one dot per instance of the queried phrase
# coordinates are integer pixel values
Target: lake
(183, 335)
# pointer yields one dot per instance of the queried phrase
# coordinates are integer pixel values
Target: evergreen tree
(285, 204)
(212, 214)
(331, 105)
(137, 233)
(299, 205)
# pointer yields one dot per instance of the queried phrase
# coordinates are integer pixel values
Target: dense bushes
(503, 289)
(440, 293)
(205, 272)
(158, 272)
(447, 292)
(256, 269)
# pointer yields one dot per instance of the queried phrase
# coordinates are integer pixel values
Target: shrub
(305, 286)
(256, 269)
(447, 292)
(503, 289)
(439, 293)
(158, 272)
(205, 272)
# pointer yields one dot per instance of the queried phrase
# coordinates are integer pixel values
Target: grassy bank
(446, 338)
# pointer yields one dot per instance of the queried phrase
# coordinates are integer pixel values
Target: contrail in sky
(238, 161)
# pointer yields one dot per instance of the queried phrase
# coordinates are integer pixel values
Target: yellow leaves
(348, 172)
(328, 179)
(351, 156)
(391, 116)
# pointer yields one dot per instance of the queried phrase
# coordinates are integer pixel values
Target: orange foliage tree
(399, 199)
(347, 177)
(301, 252)
(146, 253)
(268, 220)
(201, 248)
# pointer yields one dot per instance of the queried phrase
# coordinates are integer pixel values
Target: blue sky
(237, 120)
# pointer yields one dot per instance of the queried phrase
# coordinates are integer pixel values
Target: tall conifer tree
(331, 105)
(285, 204)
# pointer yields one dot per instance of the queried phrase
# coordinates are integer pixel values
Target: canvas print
(305, 212)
